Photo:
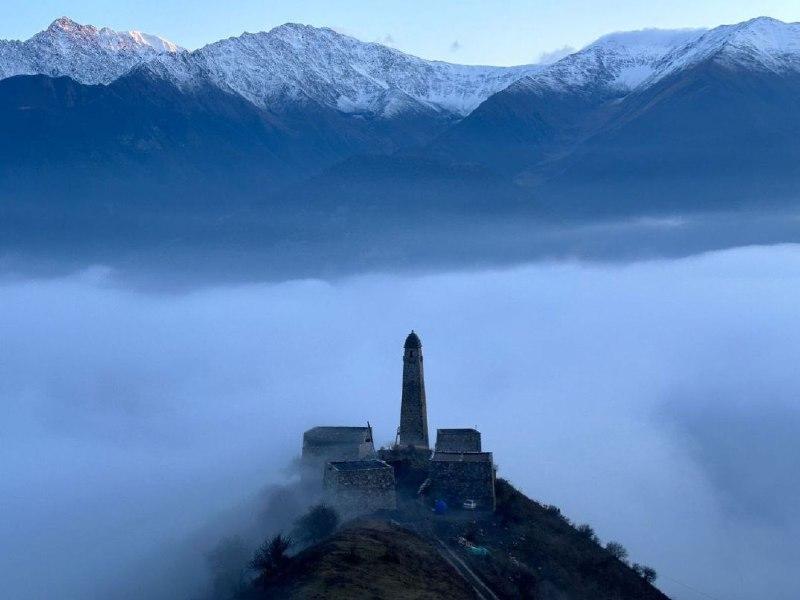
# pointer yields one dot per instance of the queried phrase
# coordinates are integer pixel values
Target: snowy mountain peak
(67, 29)
(648, 41)
(82, 52)
(762, 43)
(621, 62)
(288, 29)
(67, 24)
(765, 35)
(615, 63)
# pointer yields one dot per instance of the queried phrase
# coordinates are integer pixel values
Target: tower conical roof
(413, 341)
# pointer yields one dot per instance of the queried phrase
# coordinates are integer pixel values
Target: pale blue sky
(468, 31)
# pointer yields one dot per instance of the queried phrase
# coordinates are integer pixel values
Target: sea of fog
(657, 401)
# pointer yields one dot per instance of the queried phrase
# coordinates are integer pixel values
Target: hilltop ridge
(527, 551)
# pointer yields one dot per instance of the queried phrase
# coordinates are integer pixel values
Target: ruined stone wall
(456, 481)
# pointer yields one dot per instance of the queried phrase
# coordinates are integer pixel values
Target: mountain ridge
(294, 63)
(618, 130)
(288, 63)
(535, 123)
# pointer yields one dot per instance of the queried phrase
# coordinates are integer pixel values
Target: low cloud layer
(656, 401)
(548, 58)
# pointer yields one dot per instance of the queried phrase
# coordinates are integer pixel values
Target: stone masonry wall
(360, 491)
(458, 440)
(455, 481)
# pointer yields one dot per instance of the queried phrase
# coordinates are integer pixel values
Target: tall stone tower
(413, 409)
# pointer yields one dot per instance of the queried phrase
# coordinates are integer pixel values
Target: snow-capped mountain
(617, 63)
(627, 77)
(298, 63)
(290, 63)
(294, 64)
(759, 44)
(82, 52)
(627, 61)
(535, 116)
(310, 129)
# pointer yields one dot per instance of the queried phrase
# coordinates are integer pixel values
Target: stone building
(356, 487)
(324, 444)
(355, 481)
(459, 476)
(413, 429)
(458, 440)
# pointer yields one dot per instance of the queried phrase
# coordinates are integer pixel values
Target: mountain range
(306, 129)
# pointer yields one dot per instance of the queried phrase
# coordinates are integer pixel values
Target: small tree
(587, 532)
(647, 573)
(318, 523)
(617, 550)
(552, 509)
(271, 559)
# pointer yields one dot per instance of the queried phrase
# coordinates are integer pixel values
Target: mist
(656, 401)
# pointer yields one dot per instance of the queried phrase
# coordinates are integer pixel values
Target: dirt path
(424, 529)
(481, 589)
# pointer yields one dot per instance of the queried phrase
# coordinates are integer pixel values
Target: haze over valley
(655, 401)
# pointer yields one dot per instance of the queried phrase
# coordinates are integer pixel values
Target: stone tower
(413, 409)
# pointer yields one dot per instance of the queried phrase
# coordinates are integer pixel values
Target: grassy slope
(536, 553)
(369, 560)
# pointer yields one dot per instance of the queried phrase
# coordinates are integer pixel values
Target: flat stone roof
(359, 465)
(457, 430)
(443, 456)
